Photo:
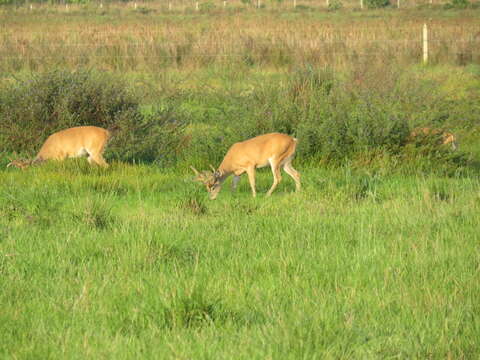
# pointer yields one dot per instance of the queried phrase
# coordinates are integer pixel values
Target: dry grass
(123, 39)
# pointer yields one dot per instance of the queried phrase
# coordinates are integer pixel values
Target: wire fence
(210, 5)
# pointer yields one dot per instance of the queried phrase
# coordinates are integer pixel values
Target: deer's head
(211, 180)
(449, 138)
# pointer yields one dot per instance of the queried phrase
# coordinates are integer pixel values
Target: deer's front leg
(235, 180)
(251, 179)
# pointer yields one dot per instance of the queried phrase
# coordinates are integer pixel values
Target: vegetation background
(377, 257)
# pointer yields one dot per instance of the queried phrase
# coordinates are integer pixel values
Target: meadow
(376, 257)
(135, 261)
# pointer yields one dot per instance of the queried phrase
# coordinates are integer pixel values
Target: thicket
(374, 4)
(362, 117)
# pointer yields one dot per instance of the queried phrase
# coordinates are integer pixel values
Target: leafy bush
(144, 10)
(207, 6)
(374, 4)
(34, 107)
(335, 5)
(457, 4)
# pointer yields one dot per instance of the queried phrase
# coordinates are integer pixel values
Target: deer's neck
(225, 172)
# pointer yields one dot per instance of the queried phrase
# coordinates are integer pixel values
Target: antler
(21, 164)
(204, 176)
(194, 170)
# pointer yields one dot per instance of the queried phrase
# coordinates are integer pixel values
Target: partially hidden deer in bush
(74, 142)
(444, 137)
(275, 149)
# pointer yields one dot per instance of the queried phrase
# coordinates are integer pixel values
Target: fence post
(224, 3)
(294, 4)
(135, 6)
(197, 7)
(361, 4)
(327, 2)
(425, 43)
(398, 4)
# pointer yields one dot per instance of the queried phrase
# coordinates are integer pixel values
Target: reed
(148, 43)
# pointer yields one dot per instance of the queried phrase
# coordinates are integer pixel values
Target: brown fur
(446, 137)
(273, 149)
(72, 142)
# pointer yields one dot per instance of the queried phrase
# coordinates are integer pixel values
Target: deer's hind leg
(97, 159)
(288, 168)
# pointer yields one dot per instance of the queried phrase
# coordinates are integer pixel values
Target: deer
(275, 149)
(444, 137)
(70, 143)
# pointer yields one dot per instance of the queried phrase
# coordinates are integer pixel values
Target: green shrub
(335, 5)
(374, 4)
(207, 6)
(144, 10)
(457, 4)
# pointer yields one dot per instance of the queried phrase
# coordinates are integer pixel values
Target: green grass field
(378, 257)
(136, 262)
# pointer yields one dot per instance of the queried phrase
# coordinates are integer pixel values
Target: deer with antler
(275, 149)
(74, 142)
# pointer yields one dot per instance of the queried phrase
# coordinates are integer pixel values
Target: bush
(457, 4)
(374, 4)
(207, 6)
(34, 107)
(335, 5)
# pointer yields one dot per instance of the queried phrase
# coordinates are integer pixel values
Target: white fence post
(425, 43)
(294, 4)
(197, 6)
(398, 4)
(327, 3)
(361, 4)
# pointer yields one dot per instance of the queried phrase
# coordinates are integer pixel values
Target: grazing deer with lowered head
(275, 149)
(444, 137)
(74, 142)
